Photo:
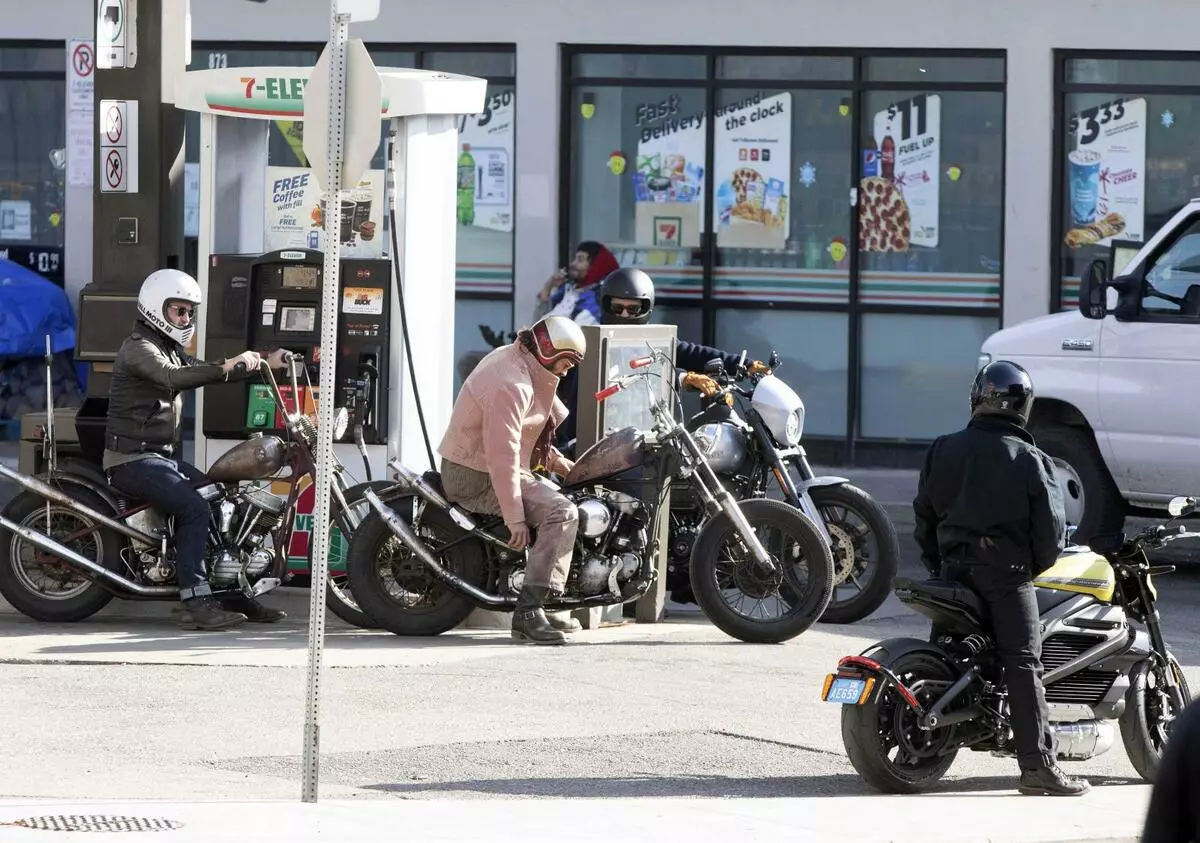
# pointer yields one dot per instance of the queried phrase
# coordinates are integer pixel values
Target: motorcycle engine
(244, 528)
(612, 534)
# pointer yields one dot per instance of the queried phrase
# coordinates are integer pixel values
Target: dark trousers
(1016, 628)
(170, 488)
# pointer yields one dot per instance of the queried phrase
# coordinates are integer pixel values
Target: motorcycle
(749, 449)
(70, 542)
(419, 564)
(926, 700)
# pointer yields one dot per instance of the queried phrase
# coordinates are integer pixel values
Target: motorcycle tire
(862, 726)
(1143, 750)
(886, 566)
(374, 598)
(339, 599)
(27, 507)
(801, 615)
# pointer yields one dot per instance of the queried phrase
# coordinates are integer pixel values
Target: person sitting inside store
(572, 292)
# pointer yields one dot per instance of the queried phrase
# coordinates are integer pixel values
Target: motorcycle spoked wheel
(872, 731)
(712, 573)
(339, 598)
(1149, 712)
(853, 519)
(77, 597)
(395, 589)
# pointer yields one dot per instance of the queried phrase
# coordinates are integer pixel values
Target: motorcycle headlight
(794, 427)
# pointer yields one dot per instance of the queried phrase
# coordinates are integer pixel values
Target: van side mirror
(1093, 290)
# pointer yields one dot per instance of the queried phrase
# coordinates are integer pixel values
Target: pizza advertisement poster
(898, 202)
(752, 163)
(1106, 173)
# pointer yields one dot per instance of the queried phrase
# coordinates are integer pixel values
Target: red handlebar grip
(608, 392)
(639, 362)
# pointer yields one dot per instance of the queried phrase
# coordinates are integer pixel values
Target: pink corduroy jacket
(503, 423)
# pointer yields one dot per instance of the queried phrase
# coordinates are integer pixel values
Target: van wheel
(1090, 496)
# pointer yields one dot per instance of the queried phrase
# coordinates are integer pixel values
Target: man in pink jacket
(501, 427)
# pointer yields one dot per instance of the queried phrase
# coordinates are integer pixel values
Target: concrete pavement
(994, 816)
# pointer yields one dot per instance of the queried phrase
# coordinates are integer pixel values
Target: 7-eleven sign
(668, 231)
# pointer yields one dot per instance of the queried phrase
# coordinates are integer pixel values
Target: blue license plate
(845, 691)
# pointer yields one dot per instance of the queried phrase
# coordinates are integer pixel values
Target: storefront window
(1129, 159)
(33, 155)
(782, 181)
(838, 198)
(931, 202)
(638, 168)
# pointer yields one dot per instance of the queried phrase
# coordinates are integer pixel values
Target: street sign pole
(339, 32)
(342, 106)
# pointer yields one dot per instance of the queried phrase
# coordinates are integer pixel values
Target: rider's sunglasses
(626, 309)
(183, 310)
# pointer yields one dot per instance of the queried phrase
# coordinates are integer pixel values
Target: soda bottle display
(887, 157)
(466, 186)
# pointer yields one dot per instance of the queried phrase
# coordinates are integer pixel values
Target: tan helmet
(557, 338)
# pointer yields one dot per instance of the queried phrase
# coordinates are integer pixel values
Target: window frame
(1063, 89)
(1130, 310)
(843, 448)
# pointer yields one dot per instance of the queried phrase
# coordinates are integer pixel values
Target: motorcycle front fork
(799, 498)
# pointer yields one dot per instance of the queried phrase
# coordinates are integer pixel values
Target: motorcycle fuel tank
(257, 458)
(724, 445)
(620, 451)
(1082, 572)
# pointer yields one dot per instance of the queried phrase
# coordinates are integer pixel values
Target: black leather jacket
(145, 407)
(987, 496)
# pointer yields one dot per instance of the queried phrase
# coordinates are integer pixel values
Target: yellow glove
(758, 367)
(701, 383)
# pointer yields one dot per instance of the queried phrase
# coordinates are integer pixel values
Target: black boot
(206, 613)
(1050, 780)
(530, 622)
(254, 611)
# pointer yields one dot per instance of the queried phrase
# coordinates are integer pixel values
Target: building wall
(1027, 31)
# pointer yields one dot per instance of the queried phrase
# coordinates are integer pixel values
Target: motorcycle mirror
(1180, 506)
(341, 420)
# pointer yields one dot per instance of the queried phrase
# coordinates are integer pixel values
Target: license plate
(845, 690)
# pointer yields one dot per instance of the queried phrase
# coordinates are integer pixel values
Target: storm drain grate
(94, 822)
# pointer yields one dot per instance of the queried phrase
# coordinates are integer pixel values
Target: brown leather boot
(529, 621)
(206, 613)
(563, 621)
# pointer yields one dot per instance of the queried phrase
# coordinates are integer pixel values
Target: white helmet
(161, 287)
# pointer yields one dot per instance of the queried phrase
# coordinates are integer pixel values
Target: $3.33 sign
(1087, 123)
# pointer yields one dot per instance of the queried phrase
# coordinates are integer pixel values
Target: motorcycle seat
(434, 480)
(945, 591)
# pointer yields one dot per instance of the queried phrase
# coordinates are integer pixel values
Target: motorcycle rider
(989, 514)
(502, 426)
(142, 440)
(627, 298)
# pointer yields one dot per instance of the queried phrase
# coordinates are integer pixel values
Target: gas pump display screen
(301, 320)
(300, 277)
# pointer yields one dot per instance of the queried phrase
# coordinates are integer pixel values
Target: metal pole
(338, 35)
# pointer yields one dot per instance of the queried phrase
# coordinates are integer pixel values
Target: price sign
(910, 132)
(46, 261)
(1106, 172)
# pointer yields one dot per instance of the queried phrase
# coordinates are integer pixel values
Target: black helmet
(627, 283)
(1003, 389)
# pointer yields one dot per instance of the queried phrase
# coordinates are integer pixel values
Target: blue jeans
(170, 486)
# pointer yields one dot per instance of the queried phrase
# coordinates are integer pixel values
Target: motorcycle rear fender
(885, 654)
(96, 486)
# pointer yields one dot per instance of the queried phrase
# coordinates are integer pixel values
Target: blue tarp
(30, 308)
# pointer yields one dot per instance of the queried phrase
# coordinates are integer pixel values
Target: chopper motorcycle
(418, 564)
(762, 443)
(70, 542)
(909, 706)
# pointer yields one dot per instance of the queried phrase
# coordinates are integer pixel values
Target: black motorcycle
(419, 564)
(759, 448)
(909, 706)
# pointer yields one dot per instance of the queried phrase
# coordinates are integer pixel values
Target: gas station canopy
(273, 93)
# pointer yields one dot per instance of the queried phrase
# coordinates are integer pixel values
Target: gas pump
(261, 268)
(274, 301)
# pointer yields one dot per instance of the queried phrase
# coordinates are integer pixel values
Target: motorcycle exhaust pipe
(402, 531)
(1083, 740)
(110, 578)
